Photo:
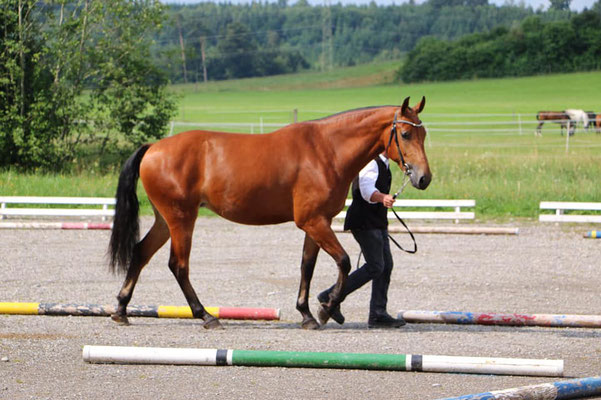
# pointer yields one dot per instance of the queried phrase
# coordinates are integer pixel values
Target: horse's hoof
(310, 324)
(212, 324)
(323, 315)
(120, 319)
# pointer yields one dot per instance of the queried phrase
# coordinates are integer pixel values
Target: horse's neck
(357, 144)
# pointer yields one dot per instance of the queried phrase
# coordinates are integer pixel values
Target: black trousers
(378, 265)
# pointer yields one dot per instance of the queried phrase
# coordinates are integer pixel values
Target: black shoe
(385, 321)
(335, 314)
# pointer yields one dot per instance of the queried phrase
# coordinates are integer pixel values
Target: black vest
(363, 215)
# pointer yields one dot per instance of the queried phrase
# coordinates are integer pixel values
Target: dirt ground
(546, 269)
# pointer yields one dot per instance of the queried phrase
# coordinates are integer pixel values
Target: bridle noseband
(394, 134)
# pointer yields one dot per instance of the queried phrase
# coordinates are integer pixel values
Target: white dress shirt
(368, 177)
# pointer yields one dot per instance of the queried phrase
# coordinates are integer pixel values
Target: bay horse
(598, 123)
(301, 173)
(592, 117)
(559, 117)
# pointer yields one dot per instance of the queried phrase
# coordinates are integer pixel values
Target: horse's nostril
(424, 181)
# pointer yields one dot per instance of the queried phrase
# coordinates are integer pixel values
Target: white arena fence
(560, 207)
(30, 206)
(437, 209)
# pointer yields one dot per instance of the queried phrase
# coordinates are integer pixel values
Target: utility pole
(202, 56)
(181, 44)
(21, 59)
(326, 37)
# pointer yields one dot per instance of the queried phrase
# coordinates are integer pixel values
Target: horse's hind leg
(181, 243)
(310, 251)
(143, 251)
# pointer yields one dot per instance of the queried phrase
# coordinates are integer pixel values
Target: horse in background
(592, 116)
(558, 117)
(598, 123)
(578, 117)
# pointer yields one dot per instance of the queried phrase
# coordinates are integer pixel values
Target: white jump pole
(395, 362)
(453, 230)
(459, 230)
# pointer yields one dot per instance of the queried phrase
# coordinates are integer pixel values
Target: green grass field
(248, 100)
(507, 174)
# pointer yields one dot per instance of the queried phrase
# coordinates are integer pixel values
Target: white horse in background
(578, 116)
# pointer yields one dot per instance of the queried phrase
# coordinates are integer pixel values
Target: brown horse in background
(299, 173)
(592, 116)
(598, 123)
(559, 117)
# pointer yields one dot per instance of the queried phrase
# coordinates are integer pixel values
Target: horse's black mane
(350, 111)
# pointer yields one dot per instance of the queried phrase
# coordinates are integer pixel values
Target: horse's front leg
(321, 232)
(310, 251)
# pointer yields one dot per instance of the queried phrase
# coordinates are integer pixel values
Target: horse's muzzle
(419, 179)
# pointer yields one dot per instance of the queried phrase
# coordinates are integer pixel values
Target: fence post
(261, 124)
(568, 138)
(295, 115)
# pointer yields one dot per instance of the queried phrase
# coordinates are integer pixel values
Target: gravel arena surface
(546, 269)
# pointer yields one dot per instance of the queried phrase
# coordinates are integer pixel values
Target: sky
(576, 5)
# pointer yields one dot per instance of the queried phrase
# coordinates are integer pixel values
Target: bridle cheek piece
(394, 134)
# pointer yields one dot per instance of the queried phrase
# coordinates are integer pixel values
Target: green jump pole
(297, 359)
(300, 359)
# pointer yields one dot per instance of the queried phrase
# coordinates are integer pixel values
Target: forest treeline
(266, 38)
(533, 47)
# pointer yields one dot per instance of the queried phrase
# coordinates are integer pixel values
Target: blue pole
(562, 390)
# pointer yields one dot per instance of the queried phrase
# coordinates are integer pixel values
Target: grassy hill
(321, 93)
(357, 76)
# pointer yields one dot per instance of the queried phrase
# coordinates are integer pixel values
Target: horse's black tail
(126, 229)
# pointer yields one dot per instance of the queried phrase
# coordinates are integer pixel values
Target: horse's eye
(406, 135)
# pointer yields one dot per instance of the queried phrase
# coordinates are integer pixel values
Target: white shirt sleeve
(367, 180)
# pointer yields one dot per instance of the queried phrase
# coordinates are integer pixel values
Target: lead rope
(405, 181)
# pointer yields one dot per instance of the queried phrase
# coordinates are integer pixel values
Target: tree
(238, 51)
(53, 51)
(560, 4)
(25, 89)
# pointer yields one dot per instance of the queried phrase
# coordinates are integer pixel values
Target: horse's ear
(404, 106)
(420, 106)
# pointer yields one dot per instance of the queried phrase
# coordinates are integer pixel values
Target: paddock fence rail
(438, 125)
(480, 123)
